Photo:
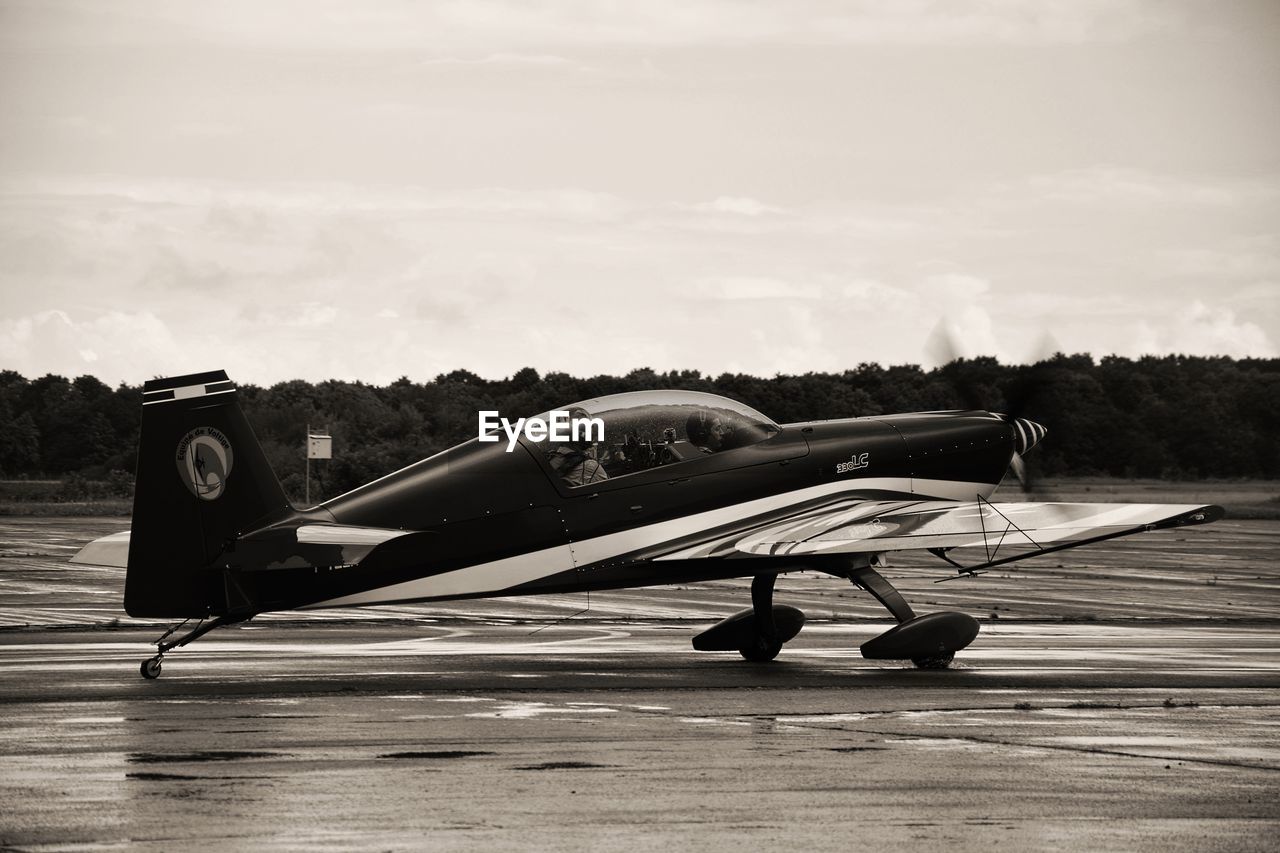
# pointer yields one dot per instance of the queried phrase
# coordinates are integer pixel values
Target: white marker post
(319, 446)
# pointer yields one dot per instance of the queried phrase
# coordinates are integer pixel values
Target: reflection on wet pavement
(458, 728)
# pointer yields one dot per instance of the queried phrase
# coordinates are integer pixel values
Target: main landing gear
(757, 634)
(151, 667)
(930, 641)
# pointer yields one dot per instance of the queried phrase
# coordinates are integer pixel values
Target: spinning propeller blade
(944, 348)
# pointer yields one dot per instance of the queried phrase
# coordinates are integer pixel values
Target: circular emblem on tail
(204, 462)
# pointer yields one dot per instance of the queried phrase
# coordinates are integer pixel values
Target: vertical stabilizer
(203, 479)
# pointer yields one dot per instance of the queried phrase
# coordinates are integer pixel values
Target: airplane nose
(1026, 434)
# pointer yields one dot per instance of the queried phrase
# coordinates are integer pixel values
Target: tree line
(1172, 417)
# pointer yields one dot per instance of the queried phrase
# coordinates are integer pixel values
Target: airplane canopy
(650, 429)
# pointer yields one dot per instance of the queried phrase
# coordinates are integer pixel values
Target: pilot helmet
(699, 426)
(577, 413)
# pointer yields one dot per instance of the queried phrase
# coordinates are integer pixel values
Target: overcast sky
(317, 190)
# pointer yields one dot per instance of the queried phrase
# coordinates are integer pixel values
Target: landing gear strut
(150, 667)
(757, 634)
(765, 645)
(930, 641)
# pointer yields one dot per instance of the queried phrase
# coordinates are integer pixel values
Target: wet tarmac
(1150, 720)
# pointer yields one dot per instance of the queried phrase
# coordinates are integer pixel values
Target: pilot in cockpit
(710, 432)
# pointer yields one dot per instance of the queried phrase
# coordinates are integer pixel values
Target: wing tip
(1206, 514)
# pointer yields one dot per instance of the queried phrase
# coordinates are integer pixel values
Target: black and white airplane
(686, 487)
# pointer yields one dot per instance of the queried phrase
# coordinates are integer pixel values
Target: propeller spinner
(1026, 435)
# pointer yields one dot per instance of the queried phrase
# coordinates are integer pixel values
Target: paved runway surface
(488, 725)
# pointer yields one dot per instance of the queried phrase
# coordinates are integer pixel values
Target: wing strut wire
(563, 618)
(991, 555)
(972, 571)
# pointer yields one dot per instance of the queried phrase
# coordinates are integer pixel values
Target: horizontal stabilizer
(310, 545)
(110, 550)
(304, 546)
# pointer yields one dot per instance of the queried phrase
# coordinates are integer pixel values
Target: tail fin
(202, 480)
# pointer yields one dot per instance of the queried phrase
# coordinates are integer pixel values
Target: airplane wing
(846, 526)
(858, 526)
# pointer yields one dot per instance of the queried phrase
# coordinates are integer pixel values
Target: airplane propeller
(1027, 433)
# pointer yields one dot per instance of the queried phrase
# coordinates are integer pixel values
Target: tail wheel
(941, 661)
(762, 650)
(151, 667)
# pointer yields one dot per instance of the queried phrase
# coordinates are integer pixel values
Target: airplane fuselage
(498, 523)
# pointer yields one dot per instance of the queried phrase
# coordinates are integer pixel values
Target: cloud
(238, 200)
(702, 22)
(79, 125)
(965, 328)
(1248, 260)
(955, 289)
(754, 287)
(309, 314)
(509, 28)
(1117, 185)
(1200, 328)
(161, 277)
(206, 129)
(738, 205)
(506, 60)
(111, 345)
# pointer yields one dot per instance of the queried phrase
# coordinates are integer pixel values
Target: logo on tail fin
(204, 462)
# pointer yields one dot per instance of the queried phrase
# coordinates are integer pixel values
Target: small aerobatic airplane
(685, 487)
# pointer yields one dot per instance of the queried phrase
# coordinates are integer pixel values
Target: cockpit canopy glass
(649, 429)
